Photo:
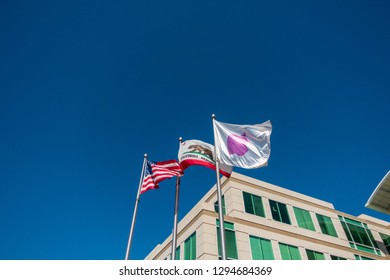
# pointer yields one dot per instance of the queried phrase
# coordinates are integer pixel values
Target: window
(231, 244)
(177, 257)
(304, 219)
(169, 257)
(313, 255)
(223, 206)
(358, 257)
(253, 204)
(190, 247)
(289, 252)
(335, 258)
(261, 248)
(359, 235)
(326, 225)
(279, 212)
(386, 241)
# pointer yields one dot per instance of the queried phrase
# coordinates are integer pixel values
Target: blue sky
(87, 87)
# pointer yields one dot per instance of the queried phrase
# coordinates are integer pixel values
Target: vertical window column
(314, 255)
(279, 212)
(289, 252)
(261, 248)
(303, 218)
(190, 247)
(253, 204)
(230, 240)
(336, 258)
(326, 225)
(177, 253)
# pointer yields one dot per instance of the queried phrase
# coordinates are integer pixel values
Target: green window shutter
(190, 247)
(310, 254)
(193, 247)
(365, 248)
(345, 227)
(294, 251)
(261, 248)
(354, 232)
(248, 203)
(319, 256)
(279, 212)
(257, 253)
(358, 257)
(275, 210)
(289, 252)
(363, 236)
(335, 258)
(299, 217)
(353, 222)
(313, 255)
(187, 249)
(371, 237)
(267, 249)
(258, 206)
(308, 220)
(326, 225)
(284, 213)
(285, 252)
(253, 204)
(304, 219)
(231, 243)
(177, 253)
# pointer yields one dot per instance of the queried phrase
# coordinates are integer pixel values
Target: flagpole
(219, 195)
(176, 209)
(135, 209)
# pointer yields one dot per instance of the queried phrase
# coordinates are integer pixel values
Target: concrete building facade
(264, 221)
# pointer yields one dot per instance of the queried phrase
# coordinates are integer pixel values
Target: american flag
(156, 172)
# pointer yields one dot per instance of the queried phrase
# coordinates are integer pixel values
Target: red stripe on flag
(148, 184)
(159, 172)
(188, 162)
(171, 165)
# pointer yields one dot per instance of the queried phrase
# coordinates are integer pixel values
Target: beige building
(264, 221)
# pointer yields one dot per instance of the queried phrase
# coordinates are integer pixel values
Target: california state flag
(196, 152)
(246, 146)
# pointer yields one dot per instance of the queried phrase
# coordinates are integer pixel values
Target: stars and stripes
(156, 172)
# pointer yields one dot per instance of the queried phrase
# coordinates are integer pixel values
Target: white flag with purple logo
(246, 146)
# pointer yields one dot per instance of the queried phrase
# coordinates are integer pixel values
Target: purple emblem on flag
(236, 144)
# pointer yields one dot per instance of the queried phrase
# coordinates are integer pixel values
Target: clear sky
(87, 87)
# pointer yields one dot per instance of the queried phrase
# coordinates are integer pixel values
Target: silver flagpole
(174, 233)
(135, 209)
(219, 195)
